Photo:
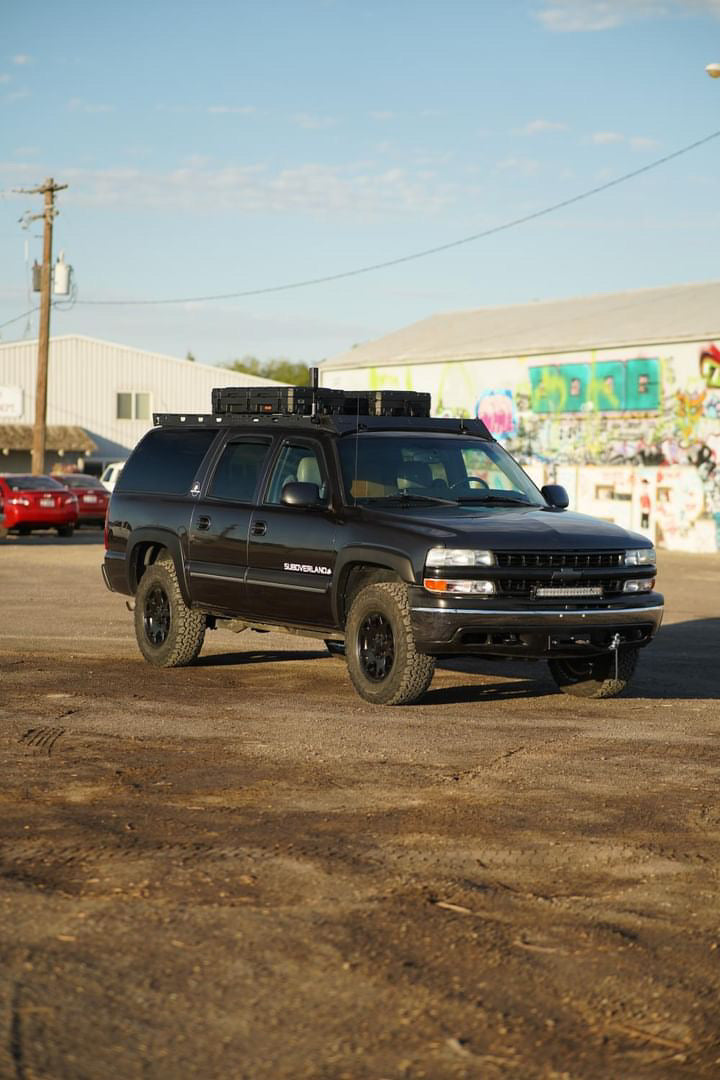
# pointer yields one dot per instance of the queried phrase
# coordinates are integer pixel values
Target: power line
(19, 317)
(427, 251)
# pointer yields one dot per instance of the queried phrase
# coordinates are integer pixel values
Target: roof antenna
(357, 446)
(314, 382)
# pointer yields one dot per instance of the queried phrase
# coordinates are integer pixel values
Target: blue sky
(226, 146)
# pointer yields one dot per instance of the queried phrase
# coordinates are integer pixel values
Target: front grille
(559, 560)
(527, 586)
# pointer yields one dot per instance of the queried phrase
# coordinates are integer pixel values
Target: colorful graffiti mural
(604, 386)
(710, 367)
(654, 417)
(496, 408)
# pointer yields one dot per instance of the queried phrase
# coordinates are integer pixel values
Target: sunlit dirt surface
(241, 870)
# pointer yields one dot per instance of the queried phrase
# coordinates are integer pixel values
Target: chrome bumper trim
(543, 613)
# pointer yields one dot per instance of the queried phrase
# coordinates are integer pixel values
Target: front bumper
(529, 631)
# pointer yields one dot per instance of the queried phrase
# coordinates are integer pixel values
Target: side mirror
(556, 496)
(297, 493)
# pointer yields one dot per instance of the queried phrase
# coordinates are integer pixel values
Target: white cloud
(520, 165)
(26, 151)
(21, 59)
(313, 123)
(5, 79)
(357, 188)
(635, 142)
(573, 16)
(383, 115)
(16, 95)
(240, 110)
(604, 138)
(539, 127)
(643, 142)
(80, 105)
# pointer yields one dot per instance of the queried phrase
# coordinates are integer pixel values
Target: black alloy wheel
(383, 663)
(157, 616)
(376, 647)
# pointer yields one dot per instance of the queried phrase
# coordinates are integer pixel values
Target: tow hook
(614, 646)
(130, 605)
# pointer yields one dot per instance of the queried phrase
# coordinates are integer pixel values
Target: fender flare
(382, 558)
(165, 538)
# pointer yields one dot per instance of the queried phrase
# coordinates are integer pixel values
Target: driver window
(296, 463)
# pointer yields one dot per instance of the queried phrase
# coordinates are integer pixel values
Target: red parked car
(92, 496)
(36, 502)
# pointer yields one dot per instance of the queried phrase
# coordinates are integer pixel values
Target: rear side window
(238, 471)
(165, 462)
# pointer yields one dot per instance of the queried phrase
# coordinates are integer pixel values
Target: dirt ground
(241, 870)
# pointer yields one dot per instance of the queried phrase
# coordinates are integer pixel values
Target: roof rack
(317, 401)
(344, 424)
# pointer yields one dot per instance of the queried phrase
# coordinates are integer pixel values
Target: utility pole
(48, 189)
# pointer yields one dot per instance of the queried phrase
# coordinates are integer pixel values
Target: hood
(511, 528)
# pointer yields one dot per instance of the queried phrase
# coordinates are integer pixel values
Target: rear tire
(383, 663)
(168, 632)
(595, 677)
(65, 530)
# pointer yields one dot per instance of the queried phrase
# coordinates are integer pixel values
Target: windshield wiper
(506, 500)
(405, 498)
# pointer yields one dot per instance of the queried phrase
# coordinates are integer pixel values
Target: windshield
(32, 483)
(405, 469)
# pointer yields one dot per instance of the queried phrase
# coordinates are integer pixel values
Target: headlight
(440, 556)
(639, 585)
(640, 557)
(455, 585)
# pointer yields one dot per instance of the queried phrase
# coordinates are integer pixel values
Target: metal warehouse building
(615, 396)
(101, 397)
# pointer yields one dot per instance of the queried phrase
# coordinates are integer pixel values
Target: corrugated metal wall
(85, 375)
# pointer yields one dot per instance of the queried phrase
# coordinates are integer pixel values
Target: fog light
(639, 585)
(442, 585)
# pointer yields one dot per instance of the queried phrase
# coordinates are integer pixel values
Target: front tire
(595, 677)
(168, 632)
(65, 530)
(383, 663)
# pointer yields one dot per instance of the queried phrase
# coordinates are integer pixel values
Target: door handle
(203, 523)
(259, 528)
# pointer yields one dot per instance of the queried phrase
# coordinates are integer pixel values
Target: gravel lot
(241, 870)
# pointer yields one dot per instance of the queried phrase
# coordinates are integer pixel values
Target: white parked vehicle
(110, 474)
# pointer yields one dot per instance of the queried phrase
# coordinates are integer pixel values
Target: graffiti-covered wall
(649, 420)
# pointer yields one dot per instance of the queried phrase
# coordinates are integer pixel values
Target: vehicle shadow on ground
(87, 535)
(682, 662)
(252, 656)
(486, 692)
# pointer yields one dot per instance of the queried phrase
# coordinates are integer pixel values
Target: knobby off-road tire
(168, 632)
(595, 677)
(384, 665)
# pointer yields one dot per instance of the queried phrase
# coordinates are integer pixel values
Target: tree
(280, 368)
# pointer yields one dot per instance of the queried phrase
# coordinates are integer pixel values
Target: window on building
(133, 406)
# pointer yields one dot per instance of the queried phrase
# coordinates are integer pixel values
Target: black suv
(358, 519)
